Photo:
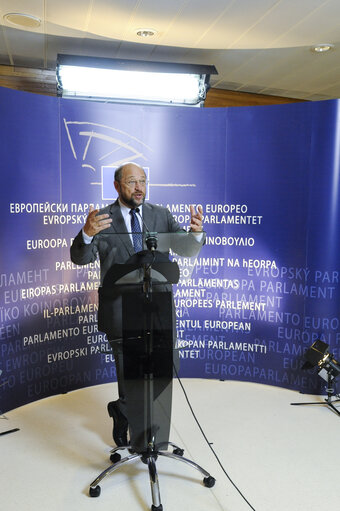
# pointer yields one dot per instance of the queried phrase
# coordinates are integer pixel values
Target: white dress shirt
(125, 210)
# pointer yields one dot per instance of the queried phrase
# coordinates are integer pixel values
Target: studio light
(318, 356)
(132, 81)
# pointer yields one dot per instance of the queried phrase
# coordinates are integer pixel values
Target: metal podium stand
(148, 369)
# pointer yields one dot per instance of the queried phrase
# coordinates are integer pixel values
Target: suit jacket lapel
(148, 218)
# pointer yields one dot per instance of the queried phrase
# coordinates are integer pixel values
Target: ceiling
(258, 46)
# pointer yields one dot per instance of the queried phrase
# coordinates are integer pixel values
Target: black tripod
(328, 401)
(148, 339)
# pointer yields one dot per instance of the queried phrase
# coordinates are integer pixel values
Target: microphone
(151, 238)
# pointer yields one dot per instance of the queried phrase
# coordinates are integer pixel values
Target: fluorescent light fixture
(132, 81)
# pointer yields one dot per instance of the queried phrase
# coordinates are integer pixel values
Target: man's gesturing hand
(96, 223)
(196, 219)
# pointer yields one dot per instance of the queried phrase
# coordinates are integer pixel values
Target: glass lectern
(137, 298)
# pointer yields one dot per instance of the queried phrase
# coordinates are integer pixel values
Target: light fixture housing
(146, 32)
(132, 81)
(22, 20)
(318, 355)
(328, 368)
(322, 48)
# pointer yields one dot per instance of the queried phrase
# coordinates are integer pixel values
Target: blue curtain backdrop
(266, 284)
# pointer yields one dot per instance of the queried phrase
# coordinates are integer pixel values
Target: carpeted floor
(280, 457)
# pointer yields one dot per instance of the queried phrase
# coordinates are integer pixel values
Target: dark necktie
(136, 231)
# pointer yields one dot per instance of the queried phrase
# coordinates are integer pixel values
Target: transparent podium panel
(167, 259)
(148, 331)
(136, 309)
(159, 249)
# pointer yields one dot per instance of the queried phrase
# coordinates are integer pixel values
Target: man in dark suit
(107, 234)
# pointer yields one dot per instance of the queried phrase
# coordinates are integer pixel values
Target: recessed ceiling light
(322, 48)
(146, 32)
(22, 20)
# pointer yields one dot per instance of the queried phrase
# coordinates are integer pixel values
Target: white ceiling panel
(280, 92)
(72, 14)
(127, 50)
(110, 18)
(148, 13)
(268, 77)
(315, 26)
(32, 7)
(329, 76)
(23, 44)
(5, 56)
(229, 62)
(193, 21)
(302, 75)
(236, 21)
(270, 29)
(316, 97)
(55, 45)
(329, 91)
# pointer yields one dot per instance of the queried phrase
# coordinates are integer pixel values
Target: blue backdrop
(266, 284)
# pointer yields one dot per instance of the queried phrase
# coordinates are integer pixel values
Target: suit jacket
(114, 247)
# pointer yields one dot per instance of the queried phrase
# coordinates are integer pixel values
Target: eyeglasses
(133, 182)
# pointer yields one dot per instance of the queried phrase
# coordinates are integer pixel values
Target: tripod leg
(156, 497)
(333, 408)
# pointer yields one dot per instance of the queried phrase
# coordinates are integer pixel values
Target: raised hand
(96, 223)
(196, 219)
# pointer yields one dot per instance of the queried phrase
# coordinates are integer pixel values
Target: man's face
(132, 186)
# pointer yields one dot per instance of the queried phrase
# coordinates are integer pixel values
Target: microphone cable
(209, 443)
